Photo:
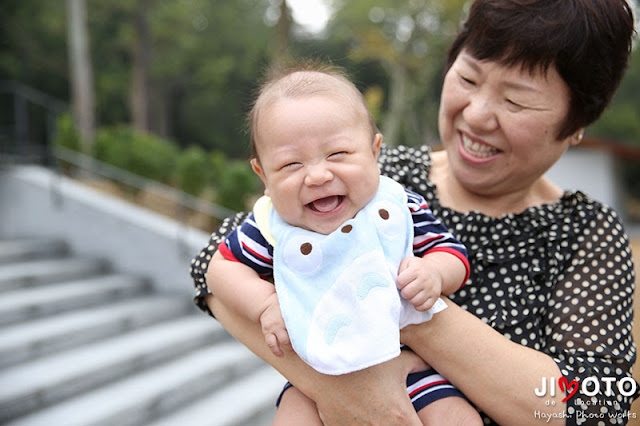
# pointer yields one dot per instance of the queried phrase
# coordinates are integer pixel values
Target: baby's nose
(317, 175)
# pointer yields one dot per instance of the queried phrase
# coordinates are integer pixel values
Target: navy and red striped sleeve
(245, 244)
(430, 235)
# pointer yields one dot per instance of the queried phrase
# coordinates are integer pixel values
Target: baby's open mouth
(326, 204)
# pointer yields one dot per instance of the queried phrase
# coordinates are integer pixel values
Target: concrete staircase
(81, 344)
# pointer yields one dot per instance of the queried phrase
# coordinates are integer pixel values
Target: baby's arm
(440, 266)
(240, 288)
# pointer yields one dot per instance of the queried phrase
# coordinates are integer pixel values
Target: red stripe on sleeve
(457, 254)
(226, 253)
(256, 254)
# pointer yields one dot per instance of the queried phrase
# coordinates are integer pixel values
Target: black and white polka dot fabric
(558, 278)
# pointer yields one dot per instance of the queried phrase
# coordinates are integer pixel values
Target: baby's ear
(377, 142)
(255, 165)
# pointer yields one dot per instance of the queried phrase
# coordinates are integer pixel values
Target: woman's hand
(474, 357)
(412, 362)
(373, 396)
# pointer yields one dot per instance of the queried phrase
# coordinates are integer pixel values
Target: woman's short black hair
(588, 42)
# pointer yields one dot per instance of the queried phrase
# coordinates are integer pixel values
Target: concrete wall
(34, 202)
(592, 172)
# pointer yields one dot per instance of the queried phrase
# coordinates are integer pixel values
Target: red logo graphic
(565, 385)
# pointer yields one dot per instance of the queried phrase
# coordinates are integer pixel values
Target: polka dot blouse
(558, 278)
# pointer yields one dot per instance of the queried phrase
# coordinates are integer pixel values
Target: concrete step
(248, 401)
(27, 304)
(30, 249)
(41, 383)
(81, 345)
(27, 341)
(38, 272)
(157, 392)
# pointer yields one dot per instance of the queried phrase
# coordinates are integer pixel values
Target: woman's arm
(374, 396)
(496, 374)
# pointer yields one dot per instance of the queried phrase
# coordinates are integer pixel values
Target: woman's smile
(477, 149)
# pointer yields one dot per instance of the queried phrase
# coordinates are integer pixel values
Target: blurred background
(160, 88)
(123, 145)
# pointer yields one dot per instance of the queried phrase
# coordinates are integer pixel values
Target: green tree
(409, 40)
(237, 186)
(206, 59)
(33, 44)
(621, 121)
(193, 171)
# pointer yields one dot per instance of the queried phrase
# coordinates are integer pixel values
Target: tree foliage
(206, 57)
(408, 40)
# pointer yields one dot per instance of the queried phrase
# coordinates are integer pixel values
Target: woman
(542, 329)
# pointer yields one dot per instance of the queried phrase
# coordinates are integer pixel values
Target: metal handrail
(34, 96)
(26, 152)
(181, 198)
(22, 148)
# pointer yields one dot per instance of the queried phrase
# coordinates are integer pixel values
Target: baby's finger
(283, 338)
(404, 264)
(426, 304)
(406, 277)
(409, 292)
(272, 342)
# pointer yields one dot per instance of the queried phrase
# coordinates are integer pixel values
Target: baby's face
(318, 160)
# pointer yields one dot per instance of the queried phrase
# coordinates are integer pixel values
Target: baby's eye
(337, 154)
(291, 165)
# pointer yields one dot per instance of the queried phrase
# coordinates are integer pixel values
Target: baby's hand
(273, 328)
(419, 282)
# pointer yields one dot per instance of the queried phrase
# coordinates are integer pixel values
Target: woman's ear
(577, 137)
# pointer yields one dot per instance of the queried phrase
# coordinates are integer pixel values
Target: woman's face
(499, 125)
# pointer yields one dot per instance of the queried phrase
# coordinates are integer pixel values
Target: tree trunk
(398, 100)
(281, 41)
(139, 94)
(81, 72)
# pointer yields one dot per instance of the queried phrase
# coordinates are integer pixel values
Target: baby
(354, 256)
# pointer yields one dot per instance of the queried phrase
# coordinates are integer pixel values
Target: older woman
(542, 329)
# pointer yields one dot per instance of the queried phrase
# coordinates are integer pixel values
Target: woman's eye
(467, 80)
(515, 105)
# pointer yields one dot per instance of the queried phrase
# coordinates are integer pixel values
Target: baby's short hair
(303, 79)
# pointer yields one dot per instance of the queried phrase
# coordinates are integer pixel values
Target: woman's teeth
(477, 149)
